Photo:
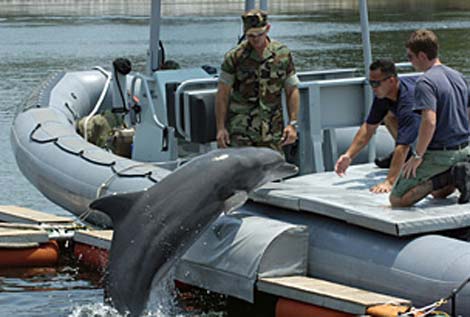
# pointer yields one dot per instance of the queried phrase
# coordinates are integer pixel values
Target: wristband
(294, 123)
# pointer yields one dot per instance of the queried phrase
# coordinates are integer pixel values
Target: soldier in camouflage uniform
(248, 101)
(100, 127)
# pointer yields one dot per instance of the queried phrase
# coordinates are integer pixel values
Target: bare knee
(397, 202)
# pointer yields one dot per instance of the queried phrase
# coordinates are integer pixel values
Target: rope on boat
(112, 164)
(70, 109)
(119, 173)
(104, 186)
(432, 308)
(32, 138)
(100, 100)
(85, 214)
(63, 148)
(81, 154)
(426, 310)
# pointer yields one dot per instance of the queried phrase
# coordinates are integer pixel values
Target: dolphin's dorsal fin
(117, 206)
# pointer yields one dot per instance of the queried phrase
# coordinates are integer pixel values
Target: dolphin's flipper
(117, 206)
(235, 201)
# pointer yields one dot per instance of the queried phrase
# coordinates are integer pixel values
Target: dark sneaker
(461, 176)
(384, 162)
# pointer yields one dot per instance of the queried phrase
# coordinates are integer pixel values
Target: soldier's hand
(342, 164)
(289, 135)
(223, 138)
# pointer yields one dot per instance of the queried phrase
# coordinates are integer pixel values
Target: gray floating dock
(20, 236)
(96, 238)
(326, 294)
(24, 227)
(349, 199)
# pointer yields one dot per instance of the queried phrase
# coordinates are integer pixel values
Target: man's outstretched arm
(363, 136)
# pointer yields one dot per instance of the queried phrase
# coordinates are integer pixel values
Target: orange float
(291, 308)
(46, 254)
(387, 310)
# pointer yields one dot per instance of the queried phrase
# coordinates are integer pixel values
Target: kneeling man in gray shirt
(442, 97)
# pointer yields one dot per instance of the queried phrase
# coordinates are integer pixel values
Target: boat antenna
(249, 4)
(263, 5)
(155, 54)
(366, 50)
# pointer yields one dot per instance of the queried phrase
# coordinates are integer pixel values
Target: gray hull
(72, 172)
(422, 269)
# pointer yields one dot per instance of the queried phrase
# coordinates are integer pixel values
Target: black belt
(449, 148)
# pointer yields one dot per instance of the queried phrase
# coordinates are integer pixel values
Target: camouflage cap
(255, 21)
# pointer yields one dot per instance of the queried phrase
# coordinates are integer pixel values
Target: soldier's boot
(461, 177)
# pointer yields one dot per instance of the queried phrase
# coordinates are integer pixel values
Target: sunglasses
(254, 20)
(377, 83)
(253, 36)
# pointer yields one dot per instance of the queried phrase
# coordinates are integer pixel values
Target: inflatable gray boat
(352, 237)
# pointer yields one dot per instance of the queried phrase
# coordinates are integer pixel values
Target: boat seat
(201, 114)
(170, 90)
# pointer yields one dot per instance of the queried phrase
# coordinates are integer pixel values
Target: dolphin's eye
(220, 157)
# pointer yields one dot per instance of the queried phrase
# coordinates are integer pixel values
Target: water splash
(103, 310)
(163, 298)
(96, 310)
(162, 303)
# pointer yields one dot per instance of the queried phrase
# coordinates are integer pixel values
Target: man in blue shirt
(393, 103)
(441, 95)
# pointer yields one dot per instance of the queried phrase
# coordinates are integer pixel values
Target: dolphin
(154, 227)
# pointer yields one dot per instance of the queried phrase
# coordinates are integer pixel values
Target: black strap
(165, 139)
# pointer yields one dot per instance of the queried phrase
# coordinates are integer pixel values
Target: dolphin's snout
(283, 170)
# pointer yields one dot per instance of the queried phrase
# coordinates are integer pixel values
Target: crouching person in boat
(393, 104)
(439, 165)
(107, 130)
(248, 102)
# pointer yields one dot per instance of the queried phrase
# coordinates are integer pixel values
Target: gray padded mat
(348, 198)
